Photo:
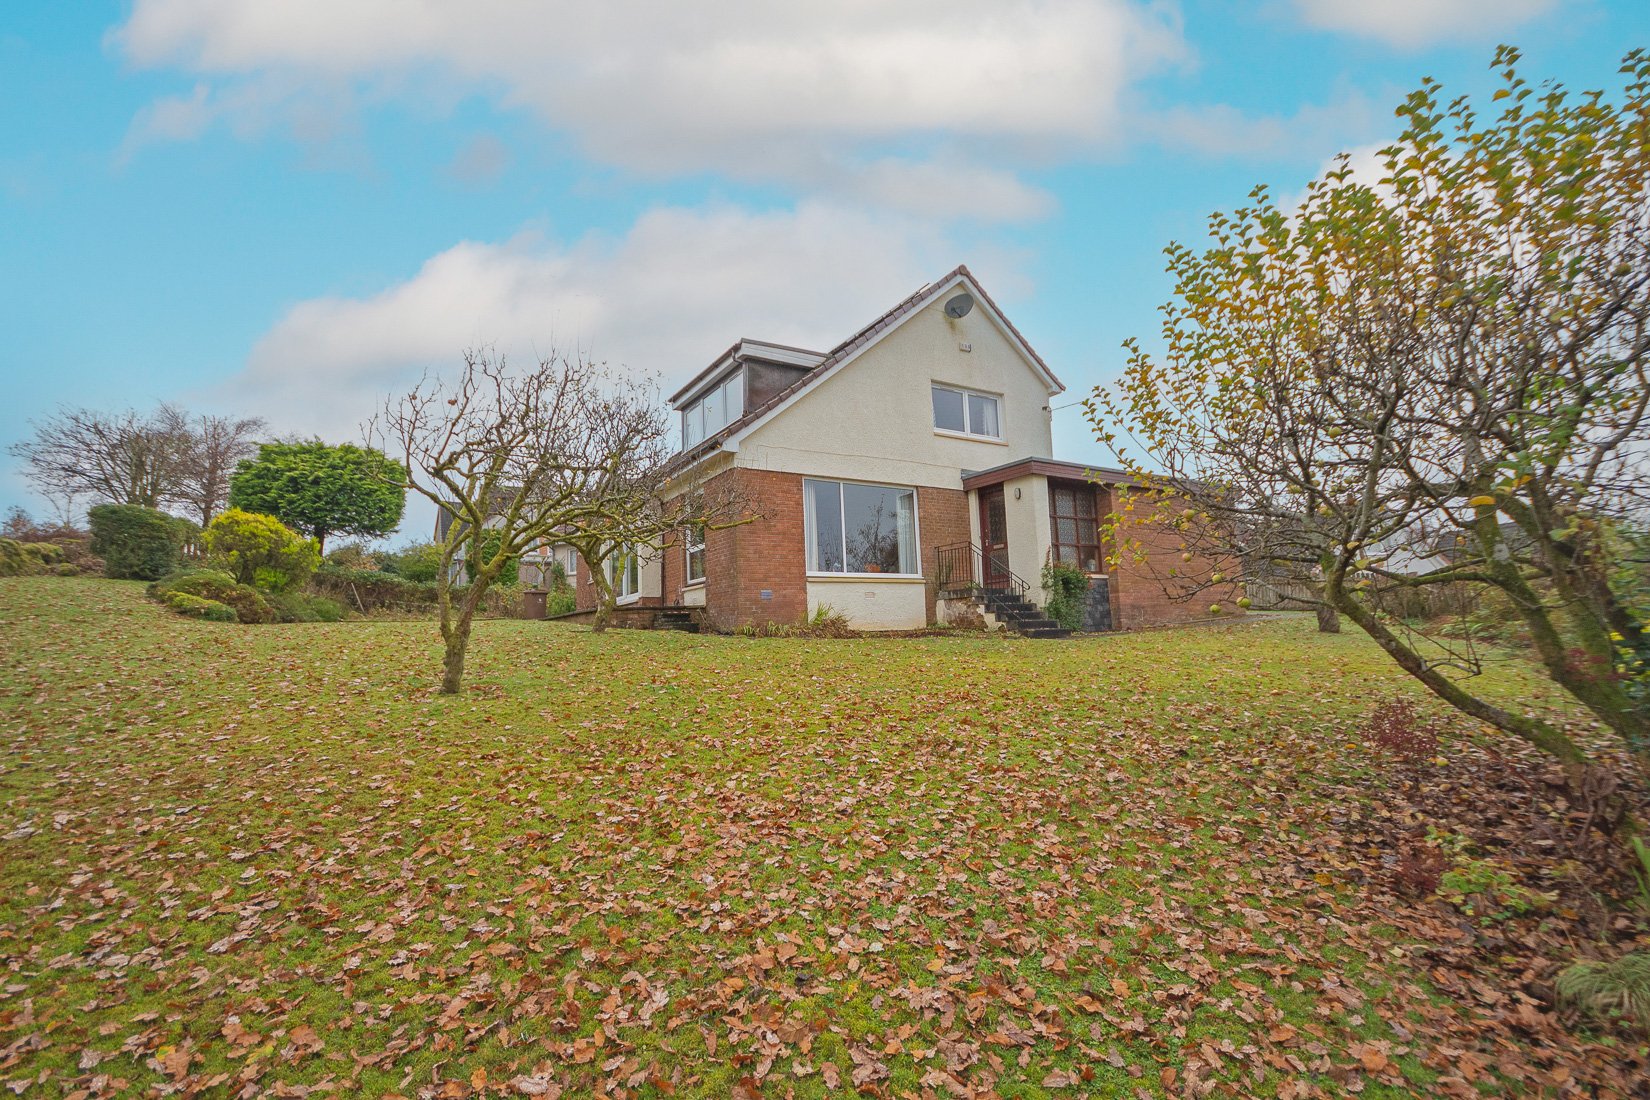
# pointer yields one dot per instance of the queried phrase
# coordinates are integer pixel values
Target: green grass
(668, 864)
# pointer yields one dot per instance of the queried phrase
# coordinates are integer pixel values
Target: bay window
(966, 412)
(855, 528)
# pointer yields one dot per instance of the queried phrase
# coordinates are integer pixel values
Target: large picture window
(959, 410)
(1076, 525)
(853, 528)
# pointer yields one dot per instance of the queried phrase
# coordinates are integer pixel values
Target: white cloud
(1411, 24)
(482, 160)
(664, 299)
(747, 88)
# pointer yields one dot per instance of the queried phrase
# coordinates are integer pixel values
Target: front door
(994, 538)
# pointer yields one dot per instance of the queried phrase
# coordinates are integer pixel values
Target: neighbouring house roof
(1048, 467)
(845, 353)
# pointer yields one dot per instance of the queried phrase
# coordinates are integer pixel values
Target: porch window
(967, 412)
(695, 540)
(624, 573)
(1076, 526)
(854, 528)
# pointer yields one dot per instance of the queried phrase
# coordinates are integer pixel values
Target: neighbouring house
(537, 562)
(901, 478)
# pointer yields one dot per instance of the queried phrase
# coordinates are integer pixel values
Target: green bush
(67, 569)
(216, 586)
(13, 562)
(44, 554)
(369, 590)
(196, 608)
(260, 550)
(353, 555)
(1066, 588)
(140, 543)
(560, 601)
(301, 607)
(419, 562)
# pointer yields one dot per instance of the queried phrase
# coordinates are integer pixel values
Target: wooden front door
(994, 538)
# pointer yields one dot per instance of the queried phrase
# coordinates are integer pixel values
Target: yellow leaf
(1482, 502)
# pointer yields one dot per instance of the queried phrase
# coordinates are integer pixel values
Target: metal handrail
(960, 569)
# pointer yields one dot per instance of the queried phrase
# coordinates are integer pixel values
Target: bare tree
(121, 458)
(521, 455)
(1437, 379)
(216, 445)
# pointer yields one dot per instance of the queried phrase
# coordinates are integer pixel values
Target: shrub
(1066, 588)
(1618, 990)
(419, 562)
(369, 590)
(214, 585)
(44, 554)
(300, 607)
(260, 550)
(136, 542)
(353, 555)
(13, 562)
(1397, 728)
(67, 569)
(72, 541)
(560, 601)
(196, 608)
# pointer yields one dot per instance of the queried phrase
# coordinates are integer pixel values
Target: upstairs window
(966, 412)
(714, 410)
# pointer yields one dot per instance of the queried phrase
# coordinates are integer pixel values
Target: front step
(1021, 616)
(676, 620)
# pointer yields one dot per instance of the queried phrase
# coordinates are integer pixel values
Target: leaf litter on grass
(269, 861)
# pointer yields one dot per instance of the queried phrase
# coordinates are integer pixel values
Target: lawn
(653, 864)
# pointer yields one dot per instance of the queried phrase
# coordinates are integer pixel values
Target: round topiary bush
(135, 542)
(196, 608)
(216, 586)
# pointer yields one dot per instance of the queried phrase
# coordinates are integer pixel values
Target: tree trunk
(1329, 620)
(452, 661)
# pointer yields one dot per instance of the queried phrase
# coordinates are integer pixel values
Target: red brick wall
(942, 519)
(1152, 584)
(766, 554)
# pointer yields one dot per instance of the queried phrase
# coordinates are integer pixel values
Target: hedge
(136, 542)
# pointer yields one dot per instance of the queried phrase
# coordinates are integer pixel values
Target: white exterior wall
(1028, 533)
(873, 419)
(872, 604)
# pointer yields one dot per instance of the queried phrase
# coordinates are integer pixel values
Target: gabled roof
(850, 349)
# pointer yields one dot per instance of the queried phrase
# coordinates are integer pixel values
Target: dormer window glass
(714, 410)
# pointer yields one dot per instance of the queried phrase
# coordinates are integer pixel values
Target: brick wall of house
(1152, 584)
(767, 554)
(942, 520)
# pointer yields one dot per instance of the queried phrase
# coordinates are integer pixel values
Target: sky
(294, 209)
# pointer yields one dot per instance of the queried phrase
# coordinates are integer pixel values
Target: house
(901, 478)
(537, 564)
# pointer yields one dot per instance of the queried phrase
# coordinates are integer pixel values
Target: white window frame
(808, 535)
(693, 540)
(696, 422)
(628, 587)
(968, 431)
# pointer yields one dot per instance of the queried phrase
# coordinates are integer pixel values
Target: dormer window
(966, 412)
(714, 410)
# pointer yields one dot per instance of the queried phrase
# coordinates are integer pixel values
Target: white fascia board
(731, 443)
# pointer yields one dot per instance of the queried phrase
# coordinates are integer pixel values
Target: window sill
(861, 578)
(700, 583)
(624, 601)
(947, 433)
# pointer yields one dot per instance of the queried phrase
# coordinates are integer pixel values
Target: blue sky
(290, 209)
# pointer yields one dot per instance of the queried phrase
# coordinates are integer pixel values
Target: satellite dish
(959, 305)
